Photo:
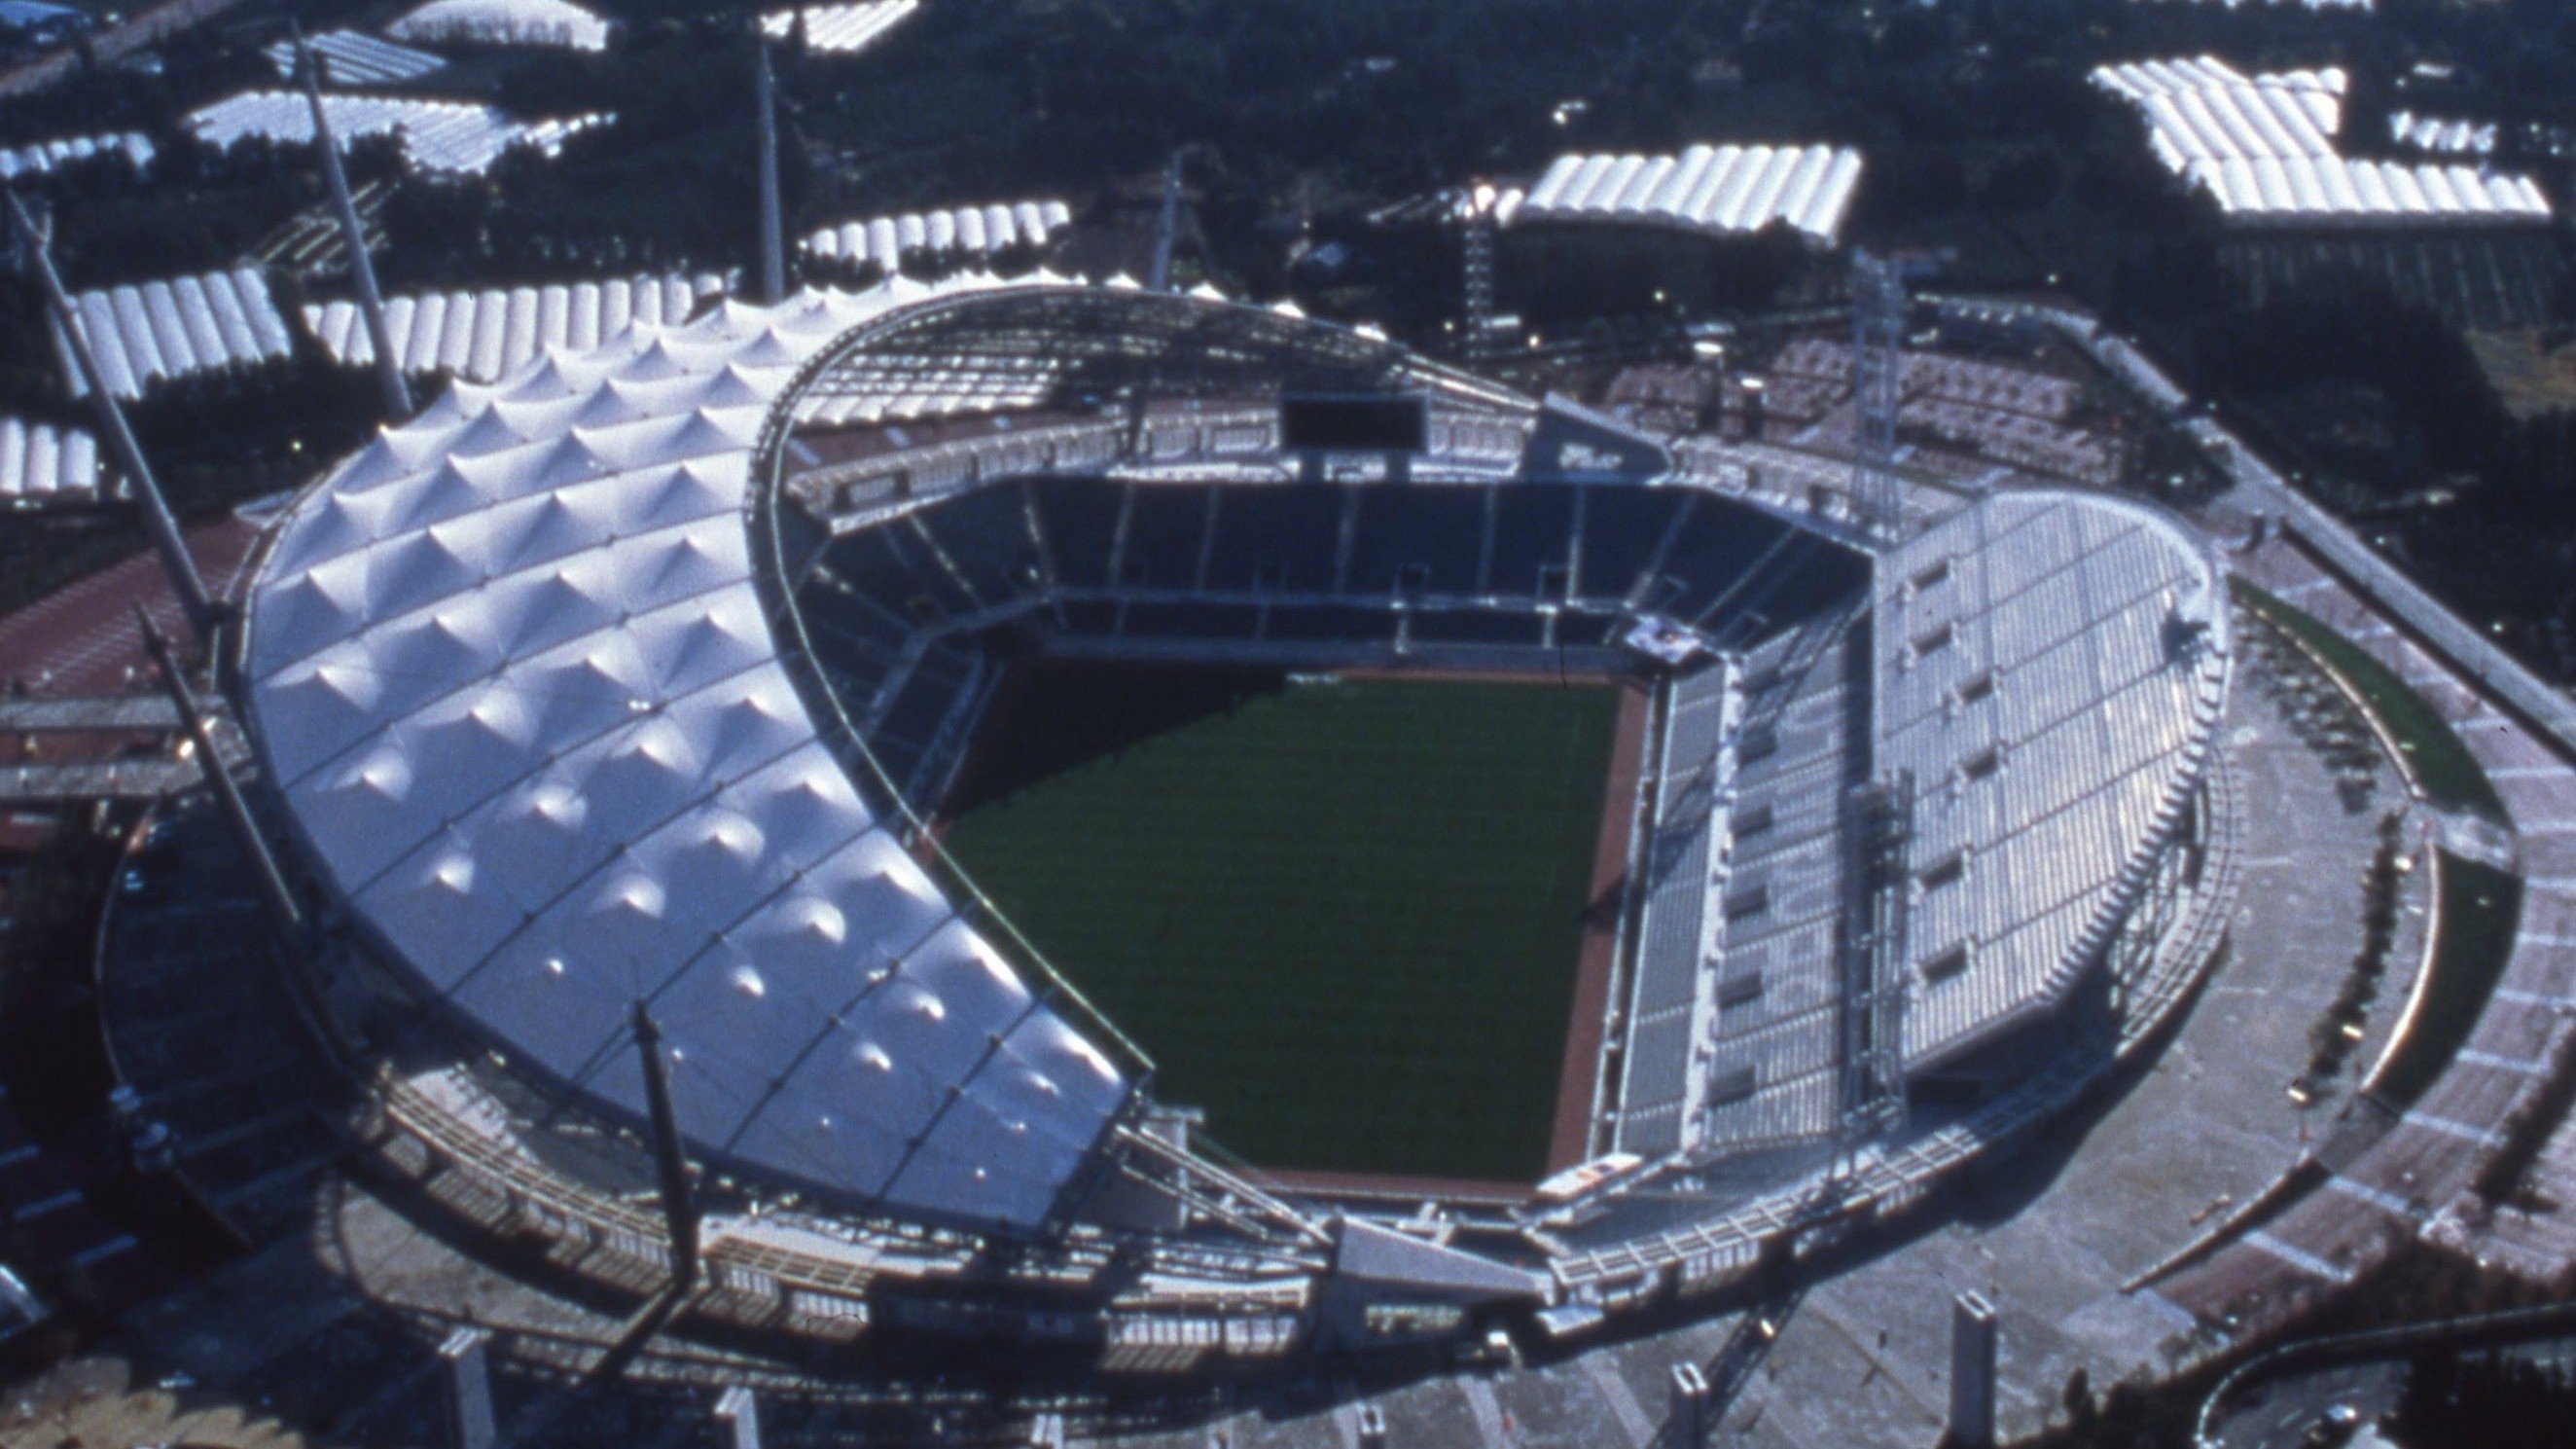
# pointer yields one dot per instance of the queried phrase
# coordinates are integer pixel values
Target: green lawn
(2479, 907)
(2450, 775)
(1341, 917)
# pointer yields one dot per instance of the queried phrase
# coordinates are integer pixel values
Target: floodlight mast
(194, 600)
(362, 268)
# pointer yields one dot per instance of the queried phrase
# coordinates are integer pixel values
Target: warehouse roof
(839, 29)
(483, 335)
(1715, 189)
(558, 23)
(353, 58)
(2264, 147)
(967, 230)
(437, 135)
(38, 157)
(165, 330)
(40, 464)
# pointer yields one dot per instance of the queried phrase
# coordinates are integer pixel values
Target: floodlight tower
(362, 268)
(1878, 334)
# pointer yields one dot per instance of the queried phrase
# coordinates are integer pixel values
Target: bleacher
(893, 610)
(2052, 668)
(1419, 540)
(1784, 894)
(788, 1274)
(1677, 961)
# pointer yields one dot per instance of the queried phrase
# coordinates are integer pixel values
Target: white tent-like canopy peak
(511, 670)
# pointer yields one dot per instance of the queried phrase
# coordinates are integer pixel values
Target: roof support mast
(670, 1161)
(1166, 231)
(190, 586)
(362, 268)
(200, 731)
(773, 227)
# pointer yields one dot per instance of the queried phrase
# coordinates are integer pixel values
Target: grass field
(2450, 775)
(1342, 917)
(2480, 905)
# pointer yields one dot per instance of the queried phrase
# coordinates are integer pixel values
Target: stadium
(1619, 869)
(996, 862)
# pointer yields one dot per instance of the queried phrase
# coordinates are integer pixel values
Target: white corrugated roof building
(1713, 189)
(164, 331)
(978, 231)
(2444, 138)
(556, 23)
(353, 58)
(39, 157)
(512, 672)
(41, 464)
(482, 335)
(839, 29)
(2264, 147)
(437, 135)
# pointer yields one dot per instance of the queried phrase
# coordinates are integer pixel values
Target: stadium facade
(624, 686)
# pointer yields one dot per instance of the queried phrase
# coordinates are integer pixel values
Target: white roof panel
(839, 29)
(352, 58)
(483, 335)
(558, 24)
(2203, 116)
(159, 331)
(450, 136)
(1704, 188)
(40, 157)
(41, 464)
(511, 669)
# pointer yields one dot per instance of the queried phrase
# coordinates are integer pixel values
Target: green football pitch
(1341, 916)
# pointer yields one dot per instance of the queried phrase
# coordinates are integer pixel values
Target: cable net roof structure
(512, 670)
(41, 157)
(41, 464)
(1714, 189)
(556, 23)
(978, 231)
(2052, 669)
(451, 136)
(354, 58)
(839, 29)
(164, 331)
(2264, 148)
(482, 336)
